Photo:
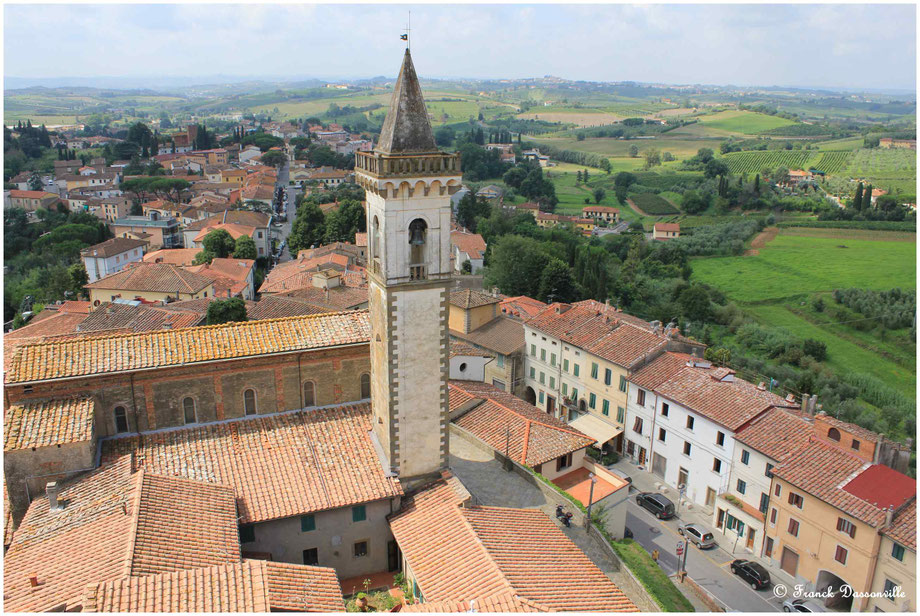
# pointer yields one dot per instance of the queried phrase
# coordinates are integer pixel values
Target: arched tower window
(365, 386)
(309, 394)
(188, 408)
(833, 434)
(249, 401)
(121, 419)
(418, 238)
(375, 238)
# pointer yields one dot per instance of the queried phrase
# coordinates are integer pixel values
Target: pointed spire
(406, 129)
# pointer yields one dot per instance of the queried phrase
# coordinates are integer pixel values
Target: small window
(764, 503)
(541, 397)
(249, 401)
(897, 552)
(500, 360)
(360, 549)
(846, 527)
(594, 369)
(542, 354)
(716, 465)
(533, 350)
(640, 397)
(687, 448)
(662, 434)
(720, 439)
(121, 419)
(365, 386)
(793, 528)
(552, 382)
(188, 406)
(855, 445)
(533, 373)
(563, 462)
(565, 365)
(777, 490)
(309, 394)
(741, 486)
(247, 534)
(608, 376)
(622, 383)
(592, 401)
(892, 589)
(665, 408)
(565, 389)
(575, 369)
(841, 555)
(690, 421)
(358, 513)
(745, 456)
(773, 517)
(463, 367)
(637, 426)
(552, 359)
(768, 471)
(307, 523)
(796, 500)
(833, 434)
(605, 407)
(621, 414)
(542, 378)
(311, 557)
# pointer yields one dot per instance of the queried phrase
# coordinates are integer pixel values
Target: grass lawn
(744, 122)
(656, 582)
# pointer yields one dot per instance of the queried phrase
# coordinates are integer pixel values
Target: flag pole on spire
(405, 37)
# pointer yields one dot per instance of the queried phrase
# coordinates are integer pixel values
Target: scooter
(565, 516)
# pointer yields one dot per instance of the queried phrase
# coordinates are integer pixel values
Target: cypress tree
(757, 183)
(867, 197)
(585, 176)
(578, 176)
(857, 200)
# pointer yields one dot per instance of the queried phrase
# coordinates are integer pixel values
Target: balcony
(418, 272)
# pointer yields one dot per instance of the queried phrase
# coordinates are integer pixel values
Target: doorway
(530, 396)
(683, 479)
(659, 464)
(393, 559)
(710, 497)
(551, 405)
(642, 455)
(749, 544)
(789, 561)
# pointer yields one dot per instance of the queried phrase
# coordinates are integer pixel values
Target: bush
(815, 348)
(652, 577)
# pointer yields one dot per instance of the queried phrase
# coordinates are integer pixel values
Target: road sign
(680, 548)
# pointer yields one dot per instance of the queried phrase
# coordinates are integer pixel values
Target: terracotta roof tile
(89, 356)
(904, 527)
(111, 317)
(461, 348)
(506, 602)
(49, 422)
(468, 298)
(112, 247)
(172, 256)
(154, 277)
(521, 306)
(535, 436)
(470, 243)
(279, 306)
(280, 465)
(777, 433)
(503, 335)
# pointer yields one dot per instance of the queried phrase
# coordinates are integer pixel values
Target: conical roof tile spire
(406, 129)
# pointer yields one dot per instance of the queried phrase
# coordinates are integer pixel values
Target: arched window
(365, 385)
(249, 401)
(418, 237)
(833, 434)
(121, 419)
(309, 394)
(188, 408)
(375, 239)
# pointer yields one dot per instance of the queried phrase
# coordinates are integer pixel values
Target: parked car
(802, 605)
(660, 505)
(698, 535)
(752, 573)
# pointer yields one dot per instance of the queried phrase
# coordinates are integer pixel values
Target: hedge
(655, 580)
(870, 225)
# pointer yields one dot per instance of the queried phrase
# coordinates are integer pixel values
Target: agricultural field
(619, 148)
(653, 205)
(776, 287)
(885, 168)
(753, 162)
(832, 162)
(848, 144)
(743, 122)
(579, 117)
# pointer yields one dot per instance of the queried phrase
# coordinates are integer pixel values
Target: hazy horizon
(795, 46)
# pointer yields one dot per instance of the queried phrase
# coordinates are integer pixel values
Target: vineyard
(652, 204)
(753, 162)
(833, 162)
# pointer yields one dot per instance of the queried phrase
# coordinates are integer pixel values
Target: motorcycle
(563, 515)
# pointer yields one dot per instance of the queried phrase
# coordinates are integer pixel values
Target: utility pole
(593, 479)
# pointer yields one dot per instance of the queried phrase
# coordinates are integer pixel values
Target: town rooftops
(846, 481)
(505, 602)
(30, 194)
(468, 298)
(470, 243)
(904, 526)
(535, 436)
(503, 335)
(521, 307)
(459, 552)
(280, 465)
(247, 586)
(49, 422)
(777, 434)
(600, 209)
(112, 247)
(172, 256)
(153, 277)
(112, 523)
(145, 221)
(238, 217)
(144, 351)
(462, 349)
(406, 129)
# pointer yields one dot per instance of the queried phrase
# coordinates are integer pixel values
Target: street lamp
(590, 499)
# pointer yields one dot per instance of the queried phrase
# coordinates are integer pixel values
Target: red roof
(667, 226)
(882, 486)
(30, 194)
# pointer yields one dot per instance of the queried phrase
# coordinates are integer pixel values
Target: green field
(743, 122)
(653, 204)
(850, 144)
(776, 285)
(619, 148)
(885, 168)
(753, 162)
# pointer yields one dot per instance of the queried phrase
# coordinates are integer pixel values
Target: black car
(661, 506)
(752, 573)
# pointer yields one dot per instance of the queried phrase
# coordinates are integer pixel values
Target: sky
(823, 45)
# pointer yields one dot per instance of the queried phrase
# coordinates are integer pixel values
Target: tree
(715, 168)
(516, 265)
(136, 209)
(557, 283)
(695, 202)
(757, 184)
(867, 197)
(444, 136)
(694, 303)
(219, 243)
(780, 175)
(815, 348)
(857, 200)
(470, 208)
(245, 248)
(633, 151)
(605, 166)
(584, 176)
(274, 158)
(667, 157)
(309, 227)
(342, 224)
(578, 177)
(226, 311)
(652, 158)
(78, 277)
(35, 182)
(599, 194)
(466, 267)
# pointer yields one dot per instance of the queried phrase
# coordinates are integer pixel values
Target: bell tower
(408, 183)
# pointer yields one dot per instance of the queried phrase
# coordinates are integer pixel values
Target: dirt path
(635, 208)
(761, 240)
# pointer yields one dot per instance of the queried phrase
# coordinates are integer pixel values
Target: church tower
(408, 183)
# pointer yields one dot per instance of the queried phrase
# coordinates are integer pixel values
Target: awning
(596, 428)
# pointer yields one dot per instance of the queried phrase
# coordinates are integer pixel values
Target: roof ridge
(526, 446)
(135, 520)
(529, 420)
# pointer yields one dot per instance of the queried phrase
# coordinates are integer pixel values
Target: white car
(801, 605)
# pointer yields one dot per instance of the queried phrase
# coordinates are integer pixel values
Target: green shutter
(307, 523)
(358, 513)
(575, 367)
(606, 407)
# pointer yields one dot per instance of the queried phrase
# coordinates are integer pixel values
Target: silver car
(802, 605)
(698, 535)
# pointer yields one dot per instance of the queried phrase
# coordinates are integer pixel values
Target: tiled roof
(236, 231)
(470, 243)
(98, 355)
(627, 345)
(730, 402)
(531, 435)
(521, 306)
(112, 522)
(361, 239)
(112, 247)
(239, 217)
(298, 273)
(173, 256)
(31, 194)
(667, 226)
(153, 277)
(601, 209)
(864, 434)
(503, 335)
(822, 471)
(663, 368)
(280, 465)
(48, 422)
(457, 553)
(468, 298)
(777, 433)
(507, 602)
(339, 298)
(279, 306)
(247, 586)
(458, 347)
(904, 527)
(111, 317)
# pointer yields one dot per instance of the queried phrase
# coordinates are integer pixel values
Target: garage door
(659, 464)
(790, 561)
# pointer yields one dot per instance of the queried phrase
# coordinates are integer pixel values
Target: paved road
(284, 230)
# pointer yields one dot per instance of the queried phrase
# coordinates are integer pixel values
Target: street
(708, 568)
(284, 230)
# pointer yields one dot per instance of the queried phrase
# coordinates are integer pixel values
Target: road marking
(727, 562)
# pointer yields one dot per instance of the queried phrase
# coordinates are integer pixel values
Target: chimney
(811, 404)
(889, 516)
(494, 291)
(33, 580)
(761, 386)
(805, 404)
(54, 502)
